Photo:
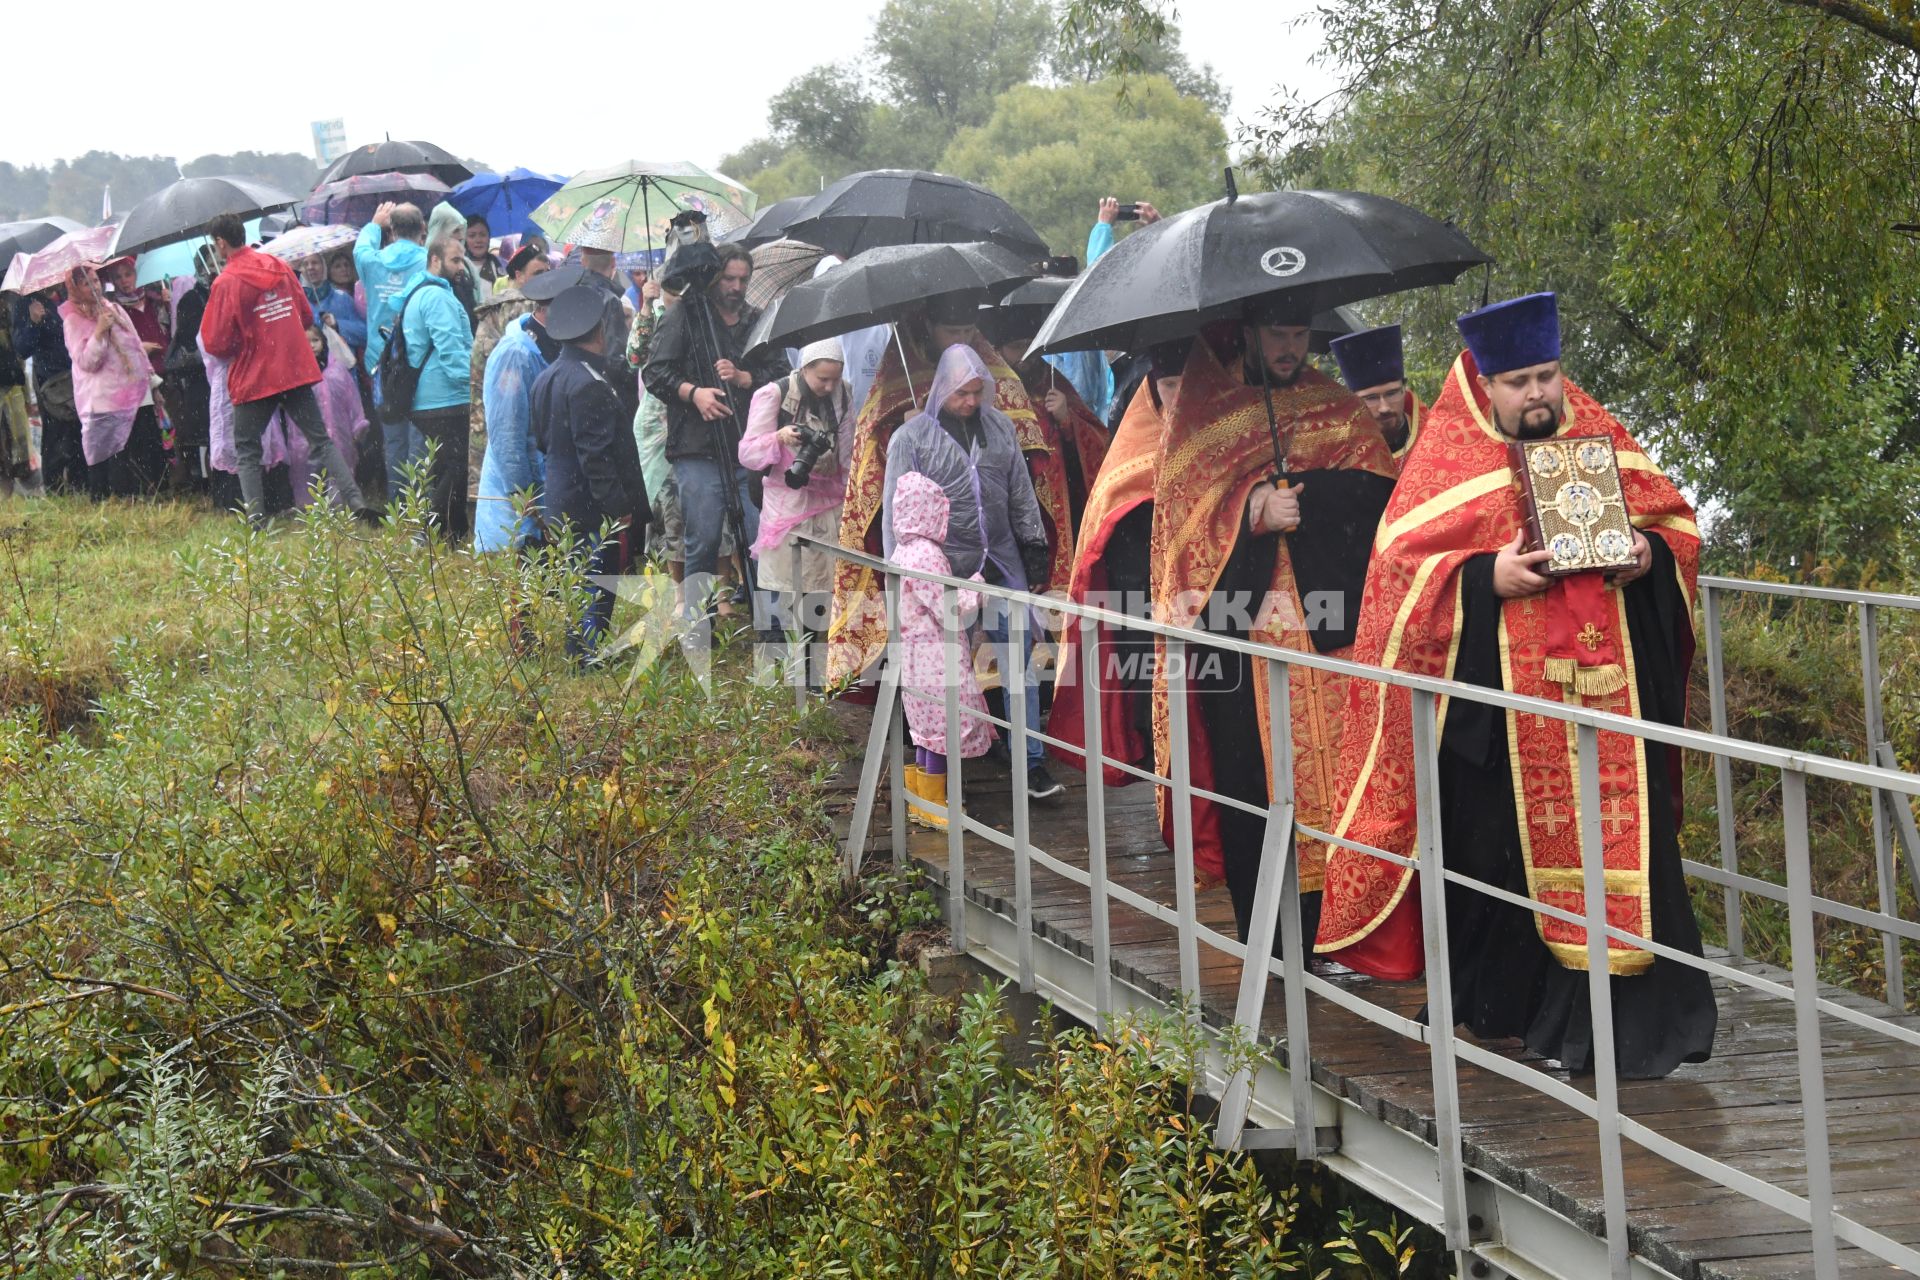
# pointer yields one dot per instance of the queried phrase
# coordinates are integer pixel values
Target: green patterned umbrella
(626, 208)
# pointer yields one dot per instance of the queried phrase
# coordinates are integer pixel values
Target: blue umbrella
(506, 200)
(176, 259)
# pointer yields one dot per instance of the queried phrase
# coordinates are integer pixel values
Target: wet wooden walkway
(1742, 1107)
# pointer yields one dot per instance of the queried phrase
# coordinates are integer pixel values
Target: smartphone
(1127, 213)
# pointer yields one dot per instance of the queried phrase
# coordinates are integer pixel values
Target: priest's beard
(1273, 378)
(1535, 424)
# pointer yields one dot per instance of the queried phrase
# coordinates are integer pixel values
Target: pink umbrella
(32, 272)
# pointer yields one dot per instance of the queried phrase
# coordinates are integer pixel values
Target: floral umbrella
(626, 208)
(306, 242)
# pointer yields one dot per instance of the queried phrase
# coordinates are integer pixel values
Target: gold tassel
(1561, 670)
(1598, 682)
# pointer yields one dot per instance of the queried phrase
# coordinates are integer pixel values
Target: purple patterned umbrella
(353, 200)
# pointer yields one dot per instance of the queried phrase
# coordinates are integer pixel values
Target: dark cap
(549, 285)
(575, 313)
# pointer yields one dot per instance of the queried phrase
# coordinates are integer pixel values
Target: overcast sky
(183, 86)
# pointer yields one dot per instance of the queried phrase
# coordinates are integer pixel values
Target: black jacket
(672, 360)
(45, 343)
(593, 464)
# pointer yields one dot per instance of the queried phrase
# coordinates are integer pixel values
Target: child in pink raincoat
(919, 529)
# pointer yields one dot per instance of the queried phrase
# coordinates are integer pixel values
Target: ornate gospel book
(1570, 487)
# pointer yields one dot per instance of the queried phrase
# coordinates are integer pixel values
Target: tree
(1053, 152)
(1090, 49)
(827, 111)
(952, 58)
(290, 171)
(23, 191)
(74, 187)
(1711, 192)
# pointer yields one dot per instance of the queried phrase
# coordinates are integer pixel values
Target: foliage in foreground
(338, 933)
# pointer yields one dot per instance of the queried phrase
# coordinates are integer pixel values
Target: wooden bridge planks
(1742, 1107)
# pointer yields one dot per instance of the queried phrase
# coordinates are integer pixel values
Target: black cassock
(1505, 981)
(1339, 513)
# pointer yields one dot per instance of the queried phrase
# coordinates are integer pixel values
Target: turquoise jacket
(384, 273)
(1088, 370)
(439, 343)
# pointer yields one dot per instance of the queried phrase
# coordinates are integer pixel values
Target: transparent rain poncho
(992, 508)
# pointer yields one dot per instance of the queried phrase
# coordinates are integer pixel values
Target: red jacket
(257, 317)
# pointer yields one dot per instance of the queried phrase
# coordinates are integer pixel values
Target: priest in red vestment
(1452, 592)
(1241, 544)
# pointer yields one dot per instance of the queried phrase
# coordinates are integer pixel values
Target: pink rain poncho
(282, 441)
(111, 377)
(993, 509)
(917, 525)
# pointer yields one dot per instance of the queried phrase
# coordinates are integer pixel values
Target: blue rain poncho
(511, 463)
(993, 511)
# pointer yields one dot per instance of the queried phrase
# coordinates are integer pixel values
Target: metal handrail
(1889, 824)
(1279, 885)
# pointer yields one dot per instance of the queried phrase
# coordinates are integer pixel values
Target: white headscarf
(825, 349)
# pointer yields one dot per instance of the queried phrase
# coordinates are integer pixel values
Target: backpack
(399, 377)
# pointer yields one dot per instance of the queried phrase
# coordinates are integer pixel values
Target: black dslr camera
(815, 444)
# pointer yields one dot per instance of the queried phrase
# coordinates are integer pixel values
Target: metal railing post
(1722, 769)
(896, 736)
(1183, 894)
(1806, 1022)
(1293, 947)
(797, 646)
(1014, 680)
(1095, 763)
(887, 714)
(1606, 1081)
(950, 637)
(1433, 920)
(1883, 861)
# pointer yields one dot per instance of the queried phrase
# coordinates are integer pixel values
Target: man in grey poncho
(967, 447)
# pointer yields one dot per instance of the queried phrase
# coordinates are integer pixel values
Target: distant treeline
(73, 188)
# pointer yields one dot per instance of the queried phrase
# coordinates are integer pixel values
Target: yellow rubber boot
(931, 790)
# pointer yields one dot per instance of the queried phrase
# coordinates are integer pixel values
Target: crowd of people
(625, 413)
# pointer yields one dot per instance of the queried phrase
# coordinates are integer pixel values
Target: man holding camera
(697, 366)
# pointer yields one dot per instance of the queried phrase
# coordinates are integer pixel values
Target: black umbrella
(910, 206)
(183, 210)
(881, 286)
(768, 225)
(1318, 249)
(32, 234)
(398, 157)
(1027, 308)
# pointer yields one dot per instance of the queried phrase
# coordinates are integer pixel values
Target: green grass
(335, 931)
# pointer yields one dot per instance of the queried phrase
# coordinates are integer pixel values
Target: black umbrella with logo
(1027, 308)
(910, 206)
(1316, 250)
